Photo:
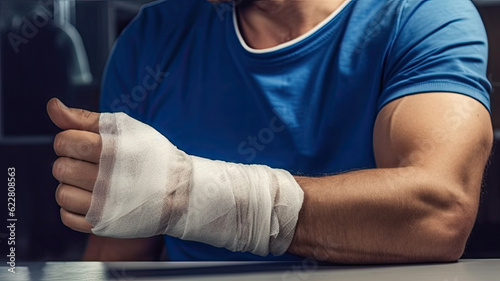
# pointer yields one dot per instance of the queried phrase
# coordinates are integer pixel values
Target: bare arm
(421, 202)
(111, 249)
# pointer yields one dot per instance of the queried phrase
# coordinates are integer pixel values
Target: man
(379, 109)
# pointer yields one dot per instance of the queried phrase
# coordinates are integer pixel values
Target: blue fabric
(309, 108)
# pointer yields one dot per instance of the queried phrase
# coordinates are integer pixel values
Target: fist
(78, 147)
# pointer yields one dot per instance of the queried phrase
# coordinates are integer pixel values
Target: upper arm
(434, 99)
(447, 136)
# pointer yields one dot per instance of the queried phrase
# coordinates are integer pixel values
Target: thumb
(72, 118)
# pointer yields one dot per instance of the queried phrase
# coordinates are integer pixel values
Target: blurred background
(59, 48)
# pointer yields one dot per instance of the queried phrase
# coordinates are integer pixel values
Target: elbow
(451, 249)
(448, 228)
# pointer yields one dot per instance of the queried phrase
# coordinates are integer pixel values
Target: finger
(73, 199)
(75, 172)
(75, 221)
(80, 145)
(72, 118)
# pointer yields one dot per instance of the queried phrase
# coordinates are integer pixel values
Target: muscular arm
(420, 204)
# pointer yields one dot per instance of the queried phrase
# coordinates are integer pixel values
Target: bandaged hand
(121, 178)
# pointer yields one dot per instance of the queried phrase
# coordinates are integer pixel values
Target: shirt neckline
(290, 43)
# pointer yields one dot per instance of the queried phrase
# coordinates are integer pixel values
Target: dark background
(41, 71)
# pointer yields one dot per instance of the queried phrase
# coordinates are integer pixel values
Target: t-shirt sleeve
(438, 46)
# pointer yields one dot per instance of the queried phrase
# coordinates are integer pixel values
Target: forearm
(382, 216)
(142, 192)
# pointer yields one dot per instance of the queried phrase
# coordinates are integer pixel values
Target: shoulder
(418, 12)
(174, 10)
(149, 42)
(440, 7)
(431, 23)
(400, 25)
(424, 13)
(159, 28)
(437, 46)
(165, 16)
(408, 7)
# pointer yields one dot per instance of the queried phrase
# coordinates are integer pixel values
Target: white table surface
(464, 270)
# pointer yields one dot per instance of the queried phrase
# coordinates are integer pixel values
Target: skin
(418, 205)
(268, 23)
(421, 202)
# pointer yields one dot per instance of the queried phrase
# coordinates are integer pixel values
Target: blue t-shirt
(308, 107)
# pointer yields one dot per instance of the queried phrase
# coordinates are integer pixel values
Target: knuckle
(59, 141)
(58, 169)
(66, 218)
(62, 196)
(85, 114)
(61, 168)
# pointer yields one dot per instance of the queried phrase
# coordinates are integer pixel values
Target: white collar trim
(291, 42)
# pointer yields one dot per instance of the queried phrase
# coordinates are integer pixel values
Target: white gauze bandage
(146, 186)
